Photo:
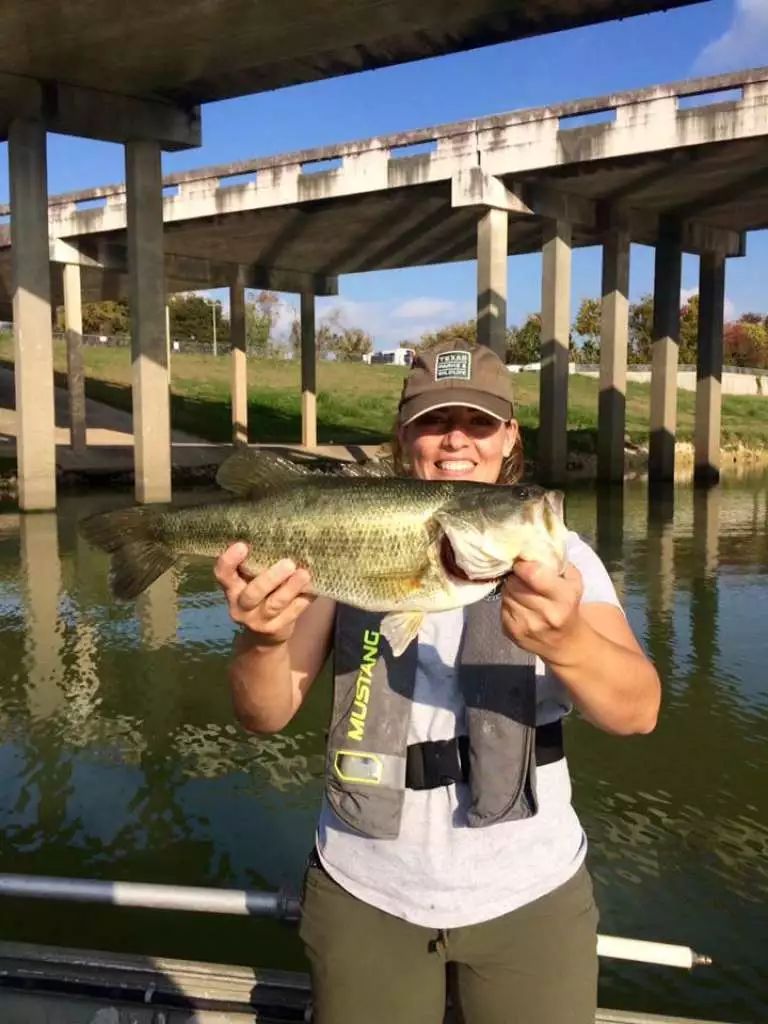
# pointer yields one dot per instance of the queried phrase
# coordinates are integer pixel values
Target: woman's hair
(511, 471)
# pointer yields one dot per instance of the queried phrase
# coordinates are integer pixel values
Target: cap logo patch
(453, 365)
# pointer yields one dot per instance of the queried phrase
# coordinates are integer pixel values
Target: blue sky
(707, 38)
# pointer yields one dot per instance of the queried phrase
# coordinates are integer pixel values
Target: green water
(120, 759)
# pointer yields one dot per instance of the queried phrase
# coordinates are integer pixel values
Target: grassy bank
(356, 402)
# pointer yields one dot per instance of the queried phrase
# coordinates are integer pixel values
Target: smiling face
(455, 442)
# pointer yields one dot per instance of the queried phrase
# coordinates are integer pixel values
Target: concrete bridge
(682, 167)
(65, 74)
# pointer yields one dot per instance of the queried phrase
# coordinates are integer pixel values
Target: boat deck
(51, 985)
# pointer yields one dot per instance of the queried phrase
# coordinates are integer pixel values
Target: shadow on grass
(212, 420)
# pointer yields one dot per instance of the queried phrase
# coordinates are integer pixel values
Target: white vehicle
(392, 356)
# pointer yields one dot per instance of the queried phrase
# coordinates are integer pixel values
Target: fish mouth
(452, 567)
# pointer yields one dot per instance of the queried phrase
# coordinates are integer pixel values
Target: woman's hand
(267, 604)
(540, 609)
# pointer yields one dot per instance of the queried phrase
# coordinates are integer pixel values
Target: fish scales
(401, 546)
(360, 544)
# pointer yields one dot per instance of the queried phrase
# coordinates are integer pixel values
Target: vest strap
(442, 762)
(437, 763)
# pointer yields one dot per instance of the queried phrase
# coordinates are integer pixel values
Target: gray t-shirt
(439, 872)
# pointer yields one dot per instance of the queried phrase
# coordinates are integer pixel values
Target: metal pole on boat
(152, 896)
(279, 905)
(650, 952)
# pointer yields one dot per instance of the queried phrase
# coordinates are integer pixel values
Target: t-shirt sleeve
(598, 587)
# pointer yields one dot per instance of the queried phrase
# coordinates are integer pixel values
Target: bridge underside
(682, 167)
(725, 187)
(202, 50)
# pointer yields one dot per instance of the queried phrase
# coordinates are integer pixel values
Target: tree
(466, 332)
(588, 326)
(745, 343)
(352, 344)
(333, 337)
(524, 343)
(689, 330)
(258, 327)
(107, 318)
(641, 330)
(191, 319)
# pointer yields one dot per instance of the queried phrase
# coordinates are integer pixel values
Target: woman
(479, 870)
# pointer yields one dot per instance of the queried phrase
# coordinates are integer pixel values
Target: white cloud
(729, 307)
(423, 308)
(396, 321)
(743, 44)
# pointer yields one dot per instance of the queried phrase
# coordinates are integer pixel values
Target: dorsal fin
(246, 472)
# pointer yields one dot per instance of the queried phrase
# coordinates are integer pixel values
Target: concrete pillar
(666, 337)
(33, 337)
(44, 632)
(555, 329)
(614, 339)
(308, 372)
(239, 366)
(492, 247)
(149, 352)
(709, 367)
(73, 326)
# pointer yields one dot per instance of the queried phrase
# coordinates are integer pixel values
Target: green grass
(356, 403)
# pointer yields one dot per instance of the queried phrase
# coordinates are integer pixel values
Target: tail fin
(131, 536)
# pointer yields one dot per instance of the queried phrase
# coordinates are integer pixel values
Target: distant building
(392, 356)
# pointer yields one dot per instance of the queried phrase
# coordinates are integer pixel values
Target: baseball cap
(456, 373)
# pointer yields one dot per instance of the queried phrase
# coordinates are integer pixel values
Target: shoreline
(738, 460)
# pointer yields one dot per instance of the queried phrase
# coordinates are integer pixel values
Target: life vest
(373, 694)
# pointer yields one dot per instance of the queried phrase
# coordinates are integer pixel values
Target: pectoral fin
(400, 629)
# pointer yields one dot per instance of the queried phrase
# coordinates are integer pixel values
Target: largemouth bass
(386, 544)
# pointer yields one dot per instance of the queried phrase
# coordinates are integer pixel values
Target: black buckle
(437, 763)
(443, 762)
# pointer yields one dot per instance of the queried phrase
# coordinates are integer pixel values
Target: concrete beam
(93, 114)
(308, 372)
(695, 236)
(614, 340)
(555, 326)
(720, 196)
(475, 187)
(666, 337)
(709, 368)
(149, 351)
(492, 244)
(91, 253)
(239, 366)
(191, 272)
(73, 326)
(33, 341)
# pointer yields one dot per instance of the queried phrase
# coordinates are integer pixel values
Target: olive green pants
(537, 965)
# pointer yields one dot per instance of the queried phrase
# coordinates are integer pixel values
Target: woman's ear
(511, 430)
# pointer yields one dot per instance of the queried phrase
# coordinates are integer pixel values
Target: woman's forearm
(614, 687)
(261, 683)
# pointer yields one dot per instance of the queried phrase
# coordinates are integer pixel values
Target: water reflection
(120, 757)
(42, 595)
